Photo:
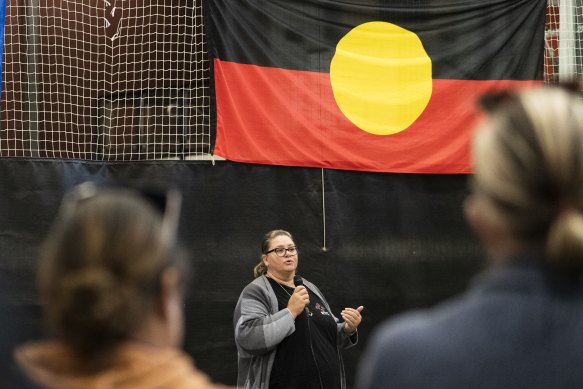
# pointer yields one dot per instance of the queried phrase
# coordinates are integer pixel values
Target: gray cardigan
(260, 327)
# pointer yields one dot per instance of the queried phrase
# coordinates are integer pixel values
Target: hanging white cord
(324, 248)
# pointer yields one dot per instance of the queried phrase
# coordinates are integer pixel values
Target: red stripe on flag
(288, 117)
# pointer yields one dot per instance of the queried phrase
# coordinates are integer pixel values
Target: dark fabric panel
(391, 242)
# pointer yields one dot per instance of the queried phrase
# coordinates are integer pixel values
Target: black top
(308, 358)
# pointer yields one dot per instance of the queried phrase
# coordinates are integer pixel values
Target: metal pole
(32, 56)
(567, 68)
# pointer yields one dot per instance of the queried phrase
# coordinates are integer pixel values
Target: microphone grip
(297, 282)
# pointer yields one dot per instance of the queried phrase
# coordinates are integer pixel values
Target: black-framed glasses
(281, 251)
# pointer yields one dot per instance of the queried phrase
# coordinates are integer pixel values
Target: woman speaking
(286, 334)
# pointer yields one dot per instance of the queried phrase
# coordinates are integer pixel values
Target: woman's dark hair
(100, 268)
(260, 269)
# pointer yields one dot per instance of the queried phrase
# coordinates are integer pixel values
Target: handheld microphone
(297, 282)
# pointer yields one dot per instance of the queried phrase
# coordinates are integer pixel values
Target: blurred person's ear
(171, 306)
(485, 231)
(497, 241)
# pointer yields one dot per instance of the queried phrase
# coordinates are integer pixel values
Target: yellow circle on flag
(381, 77)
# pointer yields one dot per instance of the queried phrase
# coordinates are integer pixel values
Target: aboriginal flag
(372, 85)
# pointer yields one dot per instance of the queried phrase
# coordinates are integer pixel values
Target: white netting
(128, 79)
(105, 80)
(563, 58)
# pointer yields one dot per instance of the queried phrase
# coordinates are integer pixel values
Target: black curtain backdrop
(393, 242)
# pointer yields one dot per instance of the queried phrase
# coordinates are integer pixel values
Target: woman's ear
(171, 307)
(471, 213)
(493, 238)
(168, 289)
(475, 217)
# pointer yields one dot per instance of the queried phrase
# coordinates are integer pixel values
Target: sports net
(129, 79)
(105, 80)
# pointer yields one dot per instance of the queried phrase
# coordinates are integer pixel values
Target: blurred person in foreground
(286, 334)
(111, 276)
(520, 324)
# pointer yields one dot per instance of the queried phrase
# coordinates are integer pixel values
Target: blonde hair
(260, 269)
(528, 164)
